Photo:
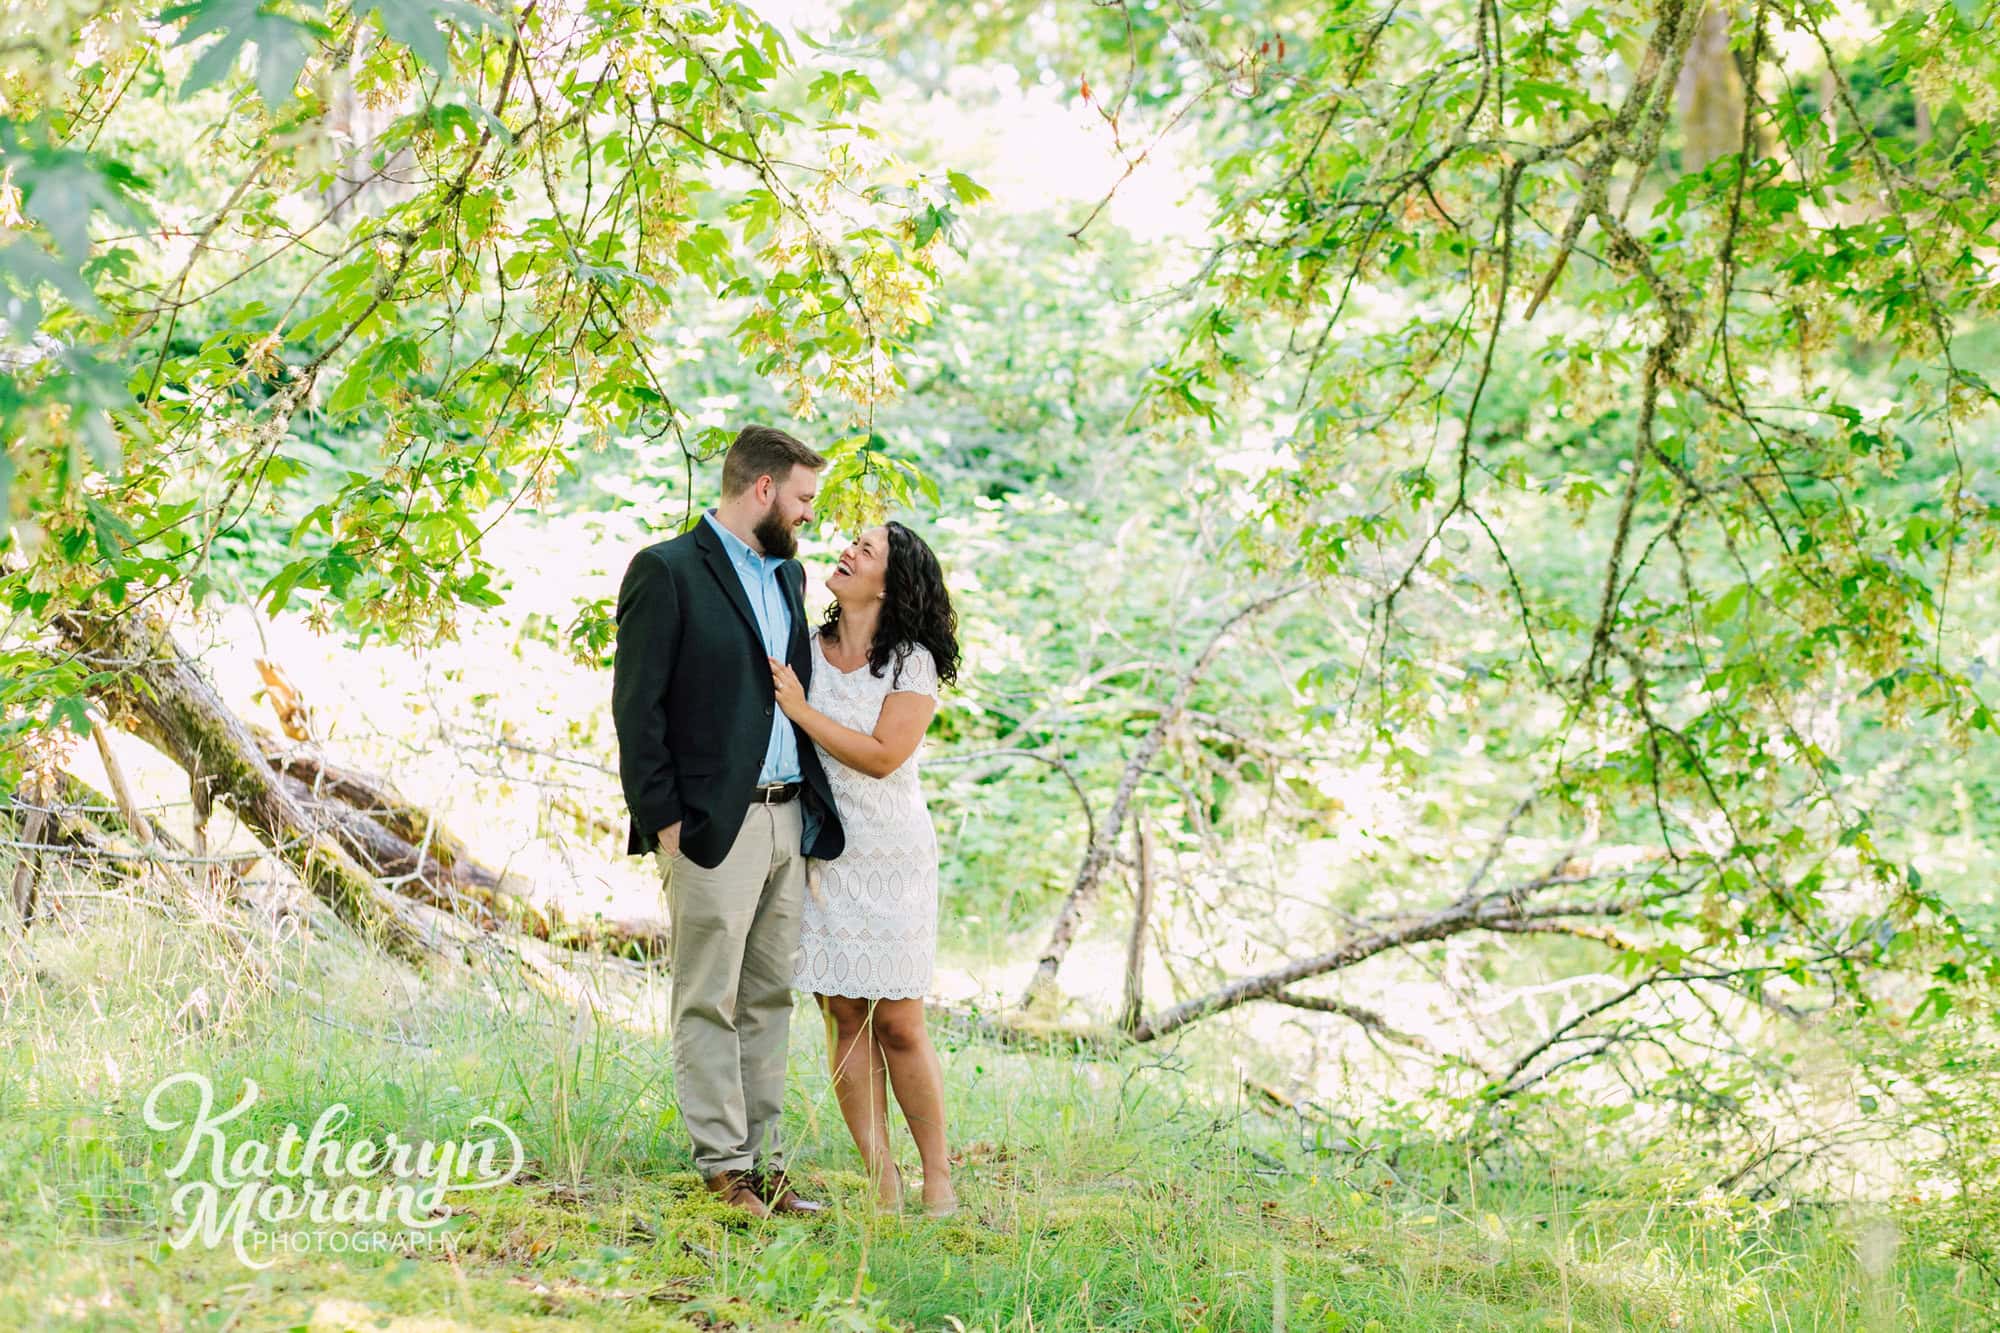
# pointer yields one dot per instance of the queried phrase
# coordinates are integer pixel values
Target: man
(729, 797)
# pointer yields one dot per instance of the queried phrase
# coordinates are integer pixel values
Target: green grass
(1099, 1194)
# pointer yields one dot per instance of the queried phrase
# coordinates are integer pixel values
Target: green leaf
(278, 591)
(415, 26)
(283, 43)
(61, 188)
(71, 709)
(931, 221)
(968, 190)
(114, 535)
(1937, 1002)
(27, 267)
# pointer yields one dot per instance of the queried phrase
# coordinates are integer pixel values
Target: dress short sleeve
(917, 673)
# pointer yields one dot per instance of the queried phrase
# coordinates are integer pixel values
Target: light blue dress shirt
(759, 576)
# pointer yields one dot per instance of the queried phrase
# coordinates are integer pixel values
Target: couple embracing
(770, 769)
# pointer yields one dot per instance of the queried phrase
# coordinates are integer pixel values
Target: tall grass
(1137, 1193)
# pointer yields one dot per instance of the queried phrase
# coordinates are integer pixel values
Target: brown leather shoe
(734, 1188)
(774, 1189)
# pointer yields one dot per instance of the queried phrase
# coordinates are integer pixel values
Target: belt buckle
(768, 793)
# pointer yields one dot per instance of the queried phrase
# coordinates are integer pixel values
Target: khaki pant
(736, 931)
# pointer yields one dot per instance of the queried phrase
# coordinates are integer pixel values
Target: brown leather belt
(777, 793)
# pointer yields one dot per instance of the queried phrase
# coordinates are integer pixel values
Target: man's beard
(774, 537)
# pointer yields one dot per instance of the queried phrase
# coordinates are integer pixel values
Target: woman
(870, 928)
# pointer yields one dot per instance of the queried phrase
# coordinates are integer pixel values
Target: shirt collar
(740, 552)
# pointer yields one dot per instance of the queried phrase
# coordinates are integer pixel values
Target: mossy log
(439, 871)
(350, 855)
(374, 797)
(149, 686)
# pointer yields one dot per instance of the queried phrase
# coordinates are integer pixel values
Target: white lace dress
(870, 927)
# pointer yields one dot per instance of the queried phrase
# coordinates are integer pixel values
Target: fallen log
(84, 824)
(404, 841)
(401, 841)
(154, 690)
(470, 890)
(372, 796)
(148, 685)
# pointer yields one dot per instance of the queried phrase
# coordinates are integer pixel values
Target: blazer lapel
(732, 583)
(795, 595)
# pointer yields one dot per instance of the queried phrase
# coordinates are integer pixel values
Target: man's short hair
(763, 451)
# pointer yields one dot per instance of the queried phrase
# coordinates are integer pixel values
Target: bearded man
(729, 797)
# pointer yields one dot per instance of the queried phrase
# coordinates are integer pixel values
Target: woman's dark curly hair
(916, 609)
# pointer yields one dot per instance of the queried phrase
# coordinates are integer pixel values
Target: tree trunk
(375, 797)
(1099, 855)
(160, 694)
(338, 847)
(34, 831)
(1135, 952)
(1711, 95)
(402, 841)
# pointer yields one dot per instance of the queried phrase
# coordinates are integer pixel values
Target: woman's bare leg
(918, 1076)
(878, 1098)
(860, 1086)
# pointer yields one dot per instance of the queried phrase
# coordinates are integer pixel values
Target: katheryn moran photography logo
(313, 1189)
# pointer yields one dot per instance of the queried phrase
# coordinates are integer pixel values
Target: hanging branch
(1135, 951)
(1370, 1021)
(1102, 847)
(1461, 917)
